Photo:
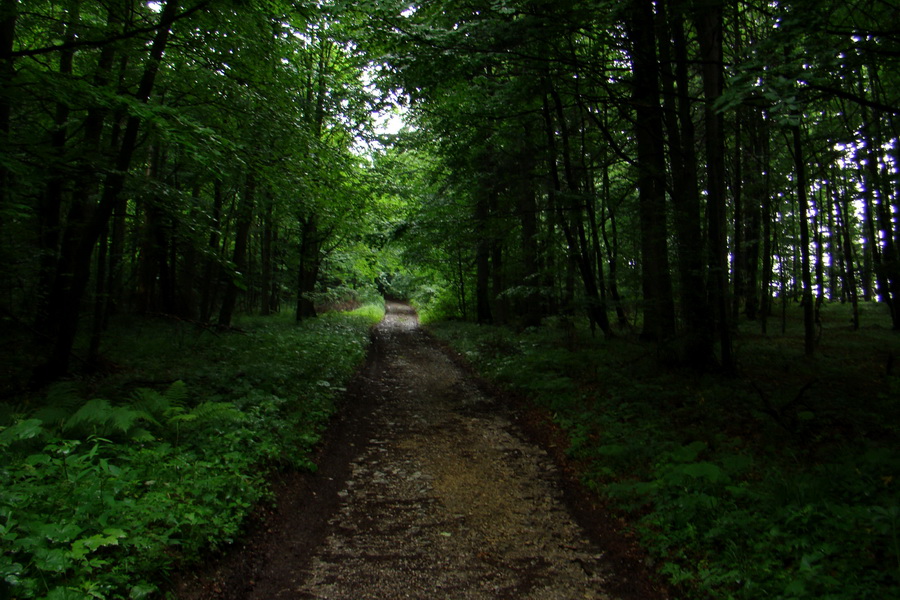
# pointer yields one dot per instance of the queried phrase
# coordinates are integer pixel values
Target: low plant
(781, 486)
(101, 494)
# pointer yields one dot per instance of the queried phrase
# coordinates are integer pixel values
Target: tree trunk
(659, 308)
(677, 102)
(308, 274)
(765, 292)
(267, 258)
(710, 37)
(738, 250)
(238, 279)
(211, 269)
(8, 17)
(847, 272)
(50, 212)
(530, 310)
(579, 248)
(754, 188)
(482, 259)
(809, 326)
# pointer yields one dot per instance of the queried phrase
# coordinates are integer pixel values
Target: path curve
(427, 489)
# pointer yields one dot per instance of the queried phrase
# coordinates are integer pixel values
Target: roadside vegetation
(109, 481)
(781, 482)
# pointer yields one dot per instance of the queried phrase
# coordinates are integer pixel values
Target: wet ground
(429, 487)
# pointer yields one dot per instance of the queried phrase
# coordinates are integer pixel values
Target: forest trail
(427, 488)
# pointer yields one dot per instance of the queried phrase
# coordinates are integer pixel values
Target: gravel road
(427, 489)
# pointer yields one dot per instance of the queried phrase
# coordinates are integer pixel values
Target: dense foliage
(194, 159)
(99, 497)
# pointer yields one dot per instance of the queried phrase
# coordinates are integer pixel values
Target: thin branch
(81, 44)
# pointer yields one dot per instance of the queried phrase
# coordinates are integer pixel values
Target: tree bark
(238, 279)
(677, 104)
(211, 269)
(847, 273)
(659, 308)
(8, 18)
(308, 274)
(710, 37)
(267, 258)
(809, 326)
(482, 259)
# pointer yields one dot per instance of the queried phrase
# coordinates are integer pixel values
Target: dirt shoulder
(430, 486)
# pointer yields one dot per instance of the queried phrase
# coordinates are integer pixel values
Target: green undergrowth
(107, 483)
(779, 483)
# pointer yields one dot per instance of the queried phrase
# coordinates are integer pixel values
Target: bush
(99, 497)
(737, 494)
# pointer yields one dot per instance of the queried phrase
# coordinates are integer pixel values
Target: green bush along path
(107, 483)
(778, 483)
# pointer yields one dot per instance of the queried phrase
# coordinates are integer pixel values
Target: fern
(177, 394)
(94, 414)
(99, 417)
(64, 394)
(158, 408)
(217, 412)
(151, 404)
(62, 401)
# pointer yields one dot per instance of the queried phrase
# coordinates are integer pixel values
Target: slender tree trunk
(579, 249)
(889, 276)
(685, 193)
(754, 190)
(659, 309)
(809, 326)
(50, 214)
(765, 292)
(268, 260)
(710, 37)
(310, 260)
(847, 252)
(531, 309)
(98, 323)
(497, 281)
(612, 255)
(239, 258)
(152, 241)
(738, 244)
(211, 269)
(482, 259)
(834, 257)
(820, 258)
(8, 16)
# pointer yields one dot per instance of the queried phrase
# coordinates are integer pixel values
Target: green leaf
(141, 591)
(55, 560)
(688, 453)
(23, 430)
(704, 470)
(84, 546)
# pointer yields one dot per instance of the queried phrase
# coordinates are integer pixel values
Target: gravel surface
(446, 499)
(427, 488)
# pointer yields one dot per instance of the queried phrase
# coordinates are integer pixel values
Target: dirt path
(427, 488)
